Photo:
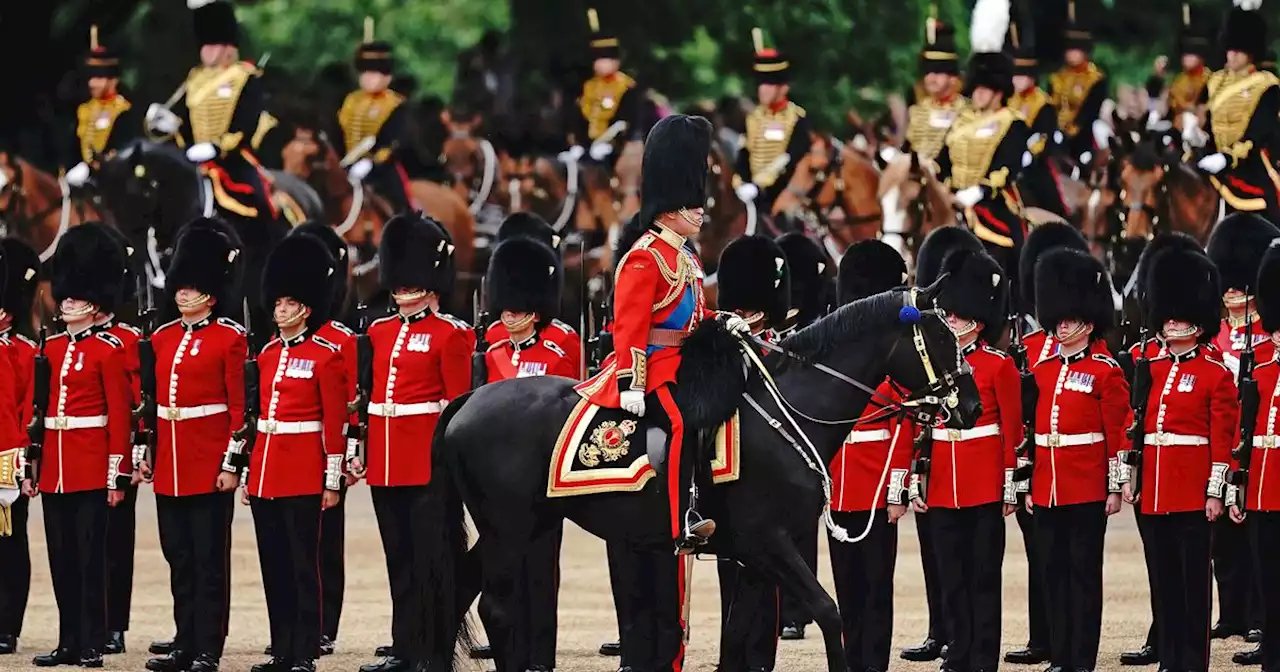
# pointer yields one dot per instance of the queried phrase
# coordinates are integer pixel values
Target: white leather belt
(867, 435)
(400, 410)
(1268, 441)
(175, 413)
(943, 434)
(61, 422)
(1059, 440)
(1168, 439)
(277, 427)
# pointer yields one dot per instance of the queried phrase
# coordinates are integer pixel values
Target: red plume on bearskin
(88, 265)
(867, 268)
(1184, 287)
(524, 277)
(1236, 245)
(1072, 285)
(1043, 239)
(976, 289)
(299, 268)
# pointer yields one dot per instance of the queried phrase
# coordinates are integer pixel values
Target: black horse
(493, 446)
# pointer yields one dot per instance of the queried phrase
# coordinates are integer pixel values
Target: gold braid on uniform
(1070, 88)
(928, 122)
(94, 121)
(600, 99)
(768, 136)
(362, 116)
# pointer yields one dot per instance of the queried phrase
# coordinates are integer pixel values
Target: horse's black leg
(469, 577)
(752, 616)
(783, 563)
(501, 560)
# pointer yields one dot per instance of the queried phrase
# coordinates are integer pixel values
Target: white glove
(4, 180)
(1153, 118)
(1101, 132)
(633, 402)
(1191, 132)
(735, 324)
(600, 150)
(360, 169)
(1057, 137)
(202, 152)
(969, 196)
(161, 119)
(78, 175)
(1213, 164)
(888, 154)
(1085, 158)
(747, 192)
(1027, 159)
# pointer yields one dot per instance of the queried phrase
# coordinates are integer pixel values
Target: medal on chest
(607, 103)
(419, 343)
(941, 118)
(299, 368)
(1079, 381)
(986, 130)
(530, 369)
(79, 361)
(373, 112)
(102, 122)
(775, 131)
(223, 91)
(195, 347)
(1186, 383)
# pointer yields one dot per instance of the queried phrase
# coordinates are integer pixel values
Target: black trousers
(288, 530)
(970, 556)
(863, 575)
(794, 612)
(1238, 600)
(195, 536)
(121, 532)
(75, 526)
(1037, 612)
(401, 513)
(15, 570)
(745, 594)
(388, 181)
(932, 584)
(646, 596)
(1264, 530)
(1182, 543)
(1070, 540)
(1149, 557)
(333, 577)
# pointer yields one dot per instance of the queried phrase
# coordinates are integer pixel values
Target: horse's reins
(18, 202)
(489, 166)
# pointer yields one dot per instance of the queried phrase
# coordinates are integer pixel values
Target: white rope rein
(490, 171)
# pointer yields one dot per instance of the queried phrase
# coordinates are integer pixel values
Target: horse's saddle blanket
(602, 450)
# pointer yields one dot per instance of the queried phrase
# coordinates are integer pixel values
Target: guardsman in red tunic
(1043, 239)
(295, 470)
(200, 401)
(970, 489)
(869, 485)
(333, 524)
(1081, 411)
(22, 276)
(86, 462)
(565, 337)
(658, 301)
(1191, 419)
(421, 360)
(1236, 246)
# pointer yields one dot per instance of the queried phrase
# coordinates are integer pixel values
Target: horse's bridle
(808, 199)
(15, 210)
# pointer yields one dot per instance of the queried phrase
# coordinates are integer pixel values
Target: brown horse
(916, 201)
(473, 163)
(834, 190)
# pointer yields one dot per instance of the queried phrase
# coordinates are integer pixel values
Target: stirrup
(695, 535)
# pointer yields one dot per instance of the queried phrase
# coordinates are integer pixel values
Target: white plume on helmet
(989, 25)
(1248, 5)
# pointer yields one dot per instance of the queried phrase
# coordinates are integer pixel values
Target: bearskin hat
(88, 265)
(1040, 241)
(867, 268)
(754, 277)
(206, 258)
(22, 277)
(976, 289)
(299, 268)
(337, 248)
(1267, 298)
(523, 277)
(133, 267)
(989, 66)
(415, 253)
(1171, 240)
(1072, 284)
(1246, 30)
(992, 71)
(935, 247)
(531, 225)
(215, 22)
(674, 172)
(1183, 285)
(1236, 245)
(810, 271)
(939, 54)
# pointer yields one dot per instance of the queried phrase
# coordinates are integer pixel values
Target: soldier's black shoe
(387, 664)
(1029, 655)
(161, 647)
(930, 649)
(792, 631)
(1144, 656)
(611, 649)
(205, 663)
(1224, 630)
(695, 535)
(58, 656)
(90, 658)
(273, 665)
(384, 651)
(305, 666)
(8, 644)
(1254, 636)
(176, 661)
(115, 643)
(326, 645)
(481, 652)
(267, 651)
(1251, 657)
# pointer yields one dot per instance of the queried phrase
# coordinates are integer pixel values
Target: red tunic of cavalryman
(562, 335)
(857, 468)
(303, 397)
(1080, 423)
(534, 356)
(1191, 423)
(974, 466)
(1264, 466)
(87, 425)
(420, 362)
(1232, 340)
(199, 402)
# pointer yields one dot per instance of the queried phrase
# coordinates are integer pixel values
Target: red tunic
(1191, 423)
(972, 467)
(1264, 465)
(303, 397)
(557, 332)
(658, 286)
(129, 335)
(199, 402)
(420, 362)
(1231, 341)
(857, 468)
(25, 351)
(12, 432)
(533, 357)
(340, 335)
(1041, 346)
(1080, 421)
(87, 427)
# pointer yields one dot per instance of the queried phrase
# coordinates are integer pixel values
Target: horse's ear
(928, 295)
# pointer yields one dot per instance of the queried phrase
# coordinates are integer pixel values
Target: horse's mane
(850, 322)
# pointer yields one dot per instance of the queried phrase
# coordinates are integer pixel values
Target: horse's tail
(445, 522)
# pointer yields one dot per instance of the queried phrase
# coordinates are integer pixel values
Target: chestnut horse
(916, 202)
(834, 190)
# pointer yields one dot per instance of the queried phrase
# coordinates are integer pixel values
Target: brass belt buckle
(953, 434)
(1162, 438)
(60, 422)
(271, 426)
(1269, 441)
(1055, 440)
(389, 410)
(173, 413)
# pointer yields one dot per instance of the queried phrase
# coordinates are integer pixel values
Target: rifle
(242, 440)
(1138, 395)
(358, 433)
(41, 373)
(1247, 388)
(479, 368)
(145, 417)
(1030, 394)
(923, 462)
